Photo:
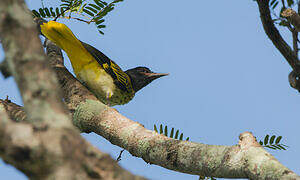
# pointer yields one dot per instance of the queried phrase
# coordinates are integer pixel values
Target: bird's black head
(142, 76)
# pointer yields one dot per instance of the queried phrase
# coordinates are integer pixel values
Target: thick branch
(66, 155)
(26, 60)
(275, 36)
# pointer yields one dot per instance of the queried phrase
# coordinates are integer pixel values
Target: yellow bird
(95, 70)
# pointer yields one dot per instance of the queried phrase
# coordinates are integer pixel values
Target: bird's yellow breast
(102, 85)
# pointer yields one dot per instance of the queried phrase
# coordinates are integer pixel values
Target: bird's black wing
(121, 79)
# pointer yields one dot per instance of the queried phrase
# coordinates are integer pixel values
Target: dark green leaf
(166, 131)
(290, 2)
(35, 13)
(116, 1)
(99, 3)
(103, 26)
(272, 2)
(101, 32)
(57, 12)
(266, 140)
(181, 137)
(271, 147)
(278, 139)
(155, 128)
(99, 22)
(88, 12)
(161, 129)
(280, 146)
(52, 13)
(187, 139)
(176, 134)
(42, 12)
(95, 6)
(105, 3)
(275, 5)
(92, 9)
(261, 143)
(172, 133)
(46, 10)
(272, 139)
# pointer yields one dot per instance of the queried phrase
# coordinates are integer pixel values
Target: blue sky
(225, 78)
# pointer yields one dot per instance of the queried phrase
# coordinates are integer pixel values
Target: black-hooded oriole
(95, 70)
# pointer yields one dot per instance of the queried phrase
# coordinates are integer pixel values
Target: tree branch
(67, 154)
(275, 36)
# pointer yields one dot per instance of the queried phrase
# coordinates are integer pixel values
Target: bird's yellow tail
(62, 36)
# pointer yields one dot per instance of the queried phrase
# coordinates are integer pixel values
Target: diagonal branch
(275, 36)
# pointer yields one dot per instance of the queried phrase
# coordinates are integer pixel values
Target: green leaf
(116, 1)
(261, 143)
(88, 12)
(166, 131)
(161, 129)
(280, 146)
(52, 13)
(95, 6)
(100, 21)
(46, 10)
(155, 128)
(105, 3)
(181, 137)
(35, 13)
(271, 147)
(272, 2)
(101, 32)
(272, 139)
(92, 9)
(278, 139)
(187, 139)
(103, 26)
(172, 133)
(290, 2)
(266, 140)
(176, 134)
(42, 12)
(275, 5)
(99, 3)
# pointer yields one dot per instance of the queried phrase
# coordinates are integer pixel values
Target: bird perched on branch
(96, 71)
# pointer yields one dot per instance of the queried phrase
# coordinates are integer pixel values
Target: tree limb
(66, 155)
(275, 36)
